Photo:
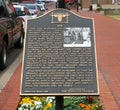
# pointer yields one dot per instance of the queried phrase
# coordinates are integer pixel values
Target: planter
(70, 103)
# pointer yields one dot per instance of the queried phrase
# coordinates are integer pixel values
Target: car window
(19, 11)
(31, 6)
(2, 9)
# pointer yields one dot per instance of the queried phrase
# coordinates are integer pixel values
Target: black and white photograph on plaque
(77, 37)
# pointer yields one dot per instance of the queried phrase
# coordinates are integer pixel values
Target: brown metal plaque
(59, 55)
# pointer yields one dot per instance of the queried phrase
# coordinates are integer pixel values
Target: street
(14, 58)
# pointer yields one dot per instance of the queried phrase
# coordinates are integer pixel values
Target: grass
(114, 16)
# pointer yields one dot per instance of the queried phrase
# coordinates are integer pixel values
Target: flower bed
(82, 103)
(70, 103)
(36, 103)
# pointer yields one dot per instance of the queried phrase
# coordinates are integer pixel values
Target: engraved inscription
(59, 57)
(49, 64)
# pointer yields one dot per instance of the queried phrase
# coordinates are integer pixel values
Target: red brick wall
(87, 3)
(105, 1)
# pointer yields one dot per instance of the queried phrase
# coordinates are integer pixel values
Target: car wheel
(19, 44)
(3, 56)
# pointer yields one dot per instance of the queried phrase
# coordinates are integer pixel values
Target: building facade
(87, 3)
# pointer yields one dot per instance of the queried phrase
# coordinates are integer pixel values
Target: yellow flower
(36, 98)
(45, 109)
(27, 100)
(49, 105)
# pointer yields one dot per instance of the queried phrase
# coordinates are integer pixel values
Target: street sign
(59, 56)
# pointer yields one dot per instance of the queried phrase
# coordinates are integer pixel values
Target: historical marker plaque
(59, 55)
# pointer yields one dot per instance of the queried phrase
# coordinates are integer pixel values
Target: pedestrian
(67, 4)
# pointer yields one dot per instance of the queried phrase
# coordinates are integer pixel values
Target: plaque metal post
(61, 4)
(77, 6)
(59, 103)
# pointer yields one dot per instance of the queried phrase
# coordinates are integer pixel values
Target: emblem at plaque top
(59, 17)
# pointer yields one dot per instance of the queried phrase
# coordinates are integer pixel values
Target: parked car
(11, 32)
(34, 9)
(28, 1)
(118, 3)
(42, 5)
(23, 13)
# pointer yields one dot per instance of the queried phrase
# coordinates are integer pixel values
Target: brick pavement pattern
(9, 97)
(108, 56)
(107, 46)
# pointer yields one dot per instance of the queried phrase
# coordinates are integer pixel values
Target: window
(2, 9)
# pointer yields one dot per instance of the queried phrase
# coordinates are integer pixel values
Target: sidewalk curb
(8, 72)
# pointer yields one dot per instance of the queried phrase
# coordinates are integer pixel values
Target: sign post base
(59, 103)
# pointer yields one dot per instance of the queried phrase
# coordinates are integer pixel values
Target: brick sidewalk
(108, 55)
(107, 46)
(9, 97)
